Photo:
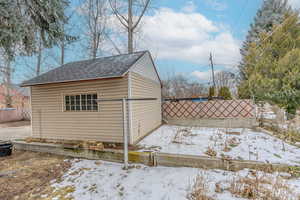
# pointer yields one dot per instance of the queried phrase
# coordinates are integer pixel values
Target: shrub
(259, 185)
(224, 92)
(211, 93)
(211, 152)
(199, 189)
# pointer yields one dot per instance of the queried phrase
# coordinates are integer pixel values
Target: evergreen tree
(273, 66)
(23, 22)
(225, 93)
(270, 14)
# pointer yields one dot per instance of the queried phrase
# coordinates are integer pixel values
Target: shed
(63, 100)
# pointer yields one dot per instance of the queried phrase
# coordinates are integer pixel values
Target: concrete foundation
(153, 159)
(216, 122)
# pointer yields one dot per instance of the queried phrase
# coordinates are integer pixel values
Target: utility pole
(212, 69)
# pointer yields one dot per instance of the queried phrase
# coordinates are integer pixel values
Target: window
(81, 102)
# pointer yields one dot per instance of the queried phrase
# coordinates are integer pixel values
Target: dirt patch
(28, 175)
(15, 124)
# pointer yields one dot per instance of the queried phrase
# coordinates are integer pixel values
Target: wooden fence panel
(8, 115)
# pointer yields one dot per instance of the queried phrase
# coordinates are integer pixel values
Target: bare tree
(43, 60)
(179, 86)
(96, 17)
(225, 79)
(128, 21)
(68, 27)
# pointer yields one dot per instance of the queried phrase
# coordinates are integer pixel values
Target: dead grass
(61, 193)
(289, 135)
(233, 142)
(211, 152)
(262, 186)
(27, 175)
(181, 134)
(199, 189)
(233, 133)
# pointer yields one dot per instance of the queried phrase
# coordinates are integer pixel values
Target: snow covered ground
(108, 181)
(244, 144)
(268, 115)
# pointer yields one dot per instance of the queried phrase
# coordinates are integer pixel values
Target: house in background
(63, 99)
(19, 97)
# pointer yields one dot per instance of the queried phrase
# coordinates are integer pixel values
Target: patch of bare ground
(28, 175)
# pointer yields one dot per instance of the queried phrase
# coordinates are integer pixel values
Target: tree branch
(118, 15)
(113, 43)
(142, 14)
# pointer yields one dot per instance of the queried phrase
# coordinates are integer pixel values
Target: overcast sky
(181, 34)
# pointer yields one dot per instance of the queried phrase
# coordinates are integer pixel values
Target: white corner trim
(129, 108)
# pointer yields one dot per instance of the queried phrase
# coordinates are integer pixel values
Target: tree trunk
(94, 47)
(62, 51)
(7, 84)
(130, 27)
(39, 58)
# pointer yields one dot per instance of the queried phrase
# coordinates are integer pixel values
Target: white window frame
(78, 93)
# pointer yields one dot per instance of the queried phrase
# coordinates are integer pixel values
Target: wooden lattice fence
(189, 109)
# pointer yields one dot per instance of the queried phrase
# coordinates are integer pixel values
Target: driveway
(15, 130)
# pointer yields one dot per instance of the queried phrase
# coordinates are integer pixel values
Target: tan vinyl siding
(145, 68)
(49, 120)
(146, 115)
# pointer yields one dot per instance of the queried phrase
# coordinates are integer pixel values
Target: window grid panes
(81, 102)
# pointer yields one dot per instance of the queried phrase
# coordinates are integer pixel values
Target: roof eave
(68, 81)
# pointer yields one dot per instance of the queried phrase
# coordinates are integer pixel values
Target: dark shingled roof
(105, 67)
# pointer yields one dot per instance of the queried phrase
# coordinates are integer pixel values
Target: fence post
(125, 135)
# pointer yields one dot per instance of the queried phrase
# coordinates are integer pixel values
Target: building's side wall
(146, 115)
(145, 67)
(49, 120)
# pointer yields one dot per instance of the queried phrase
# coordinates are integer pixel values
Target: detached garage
(64, 100)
